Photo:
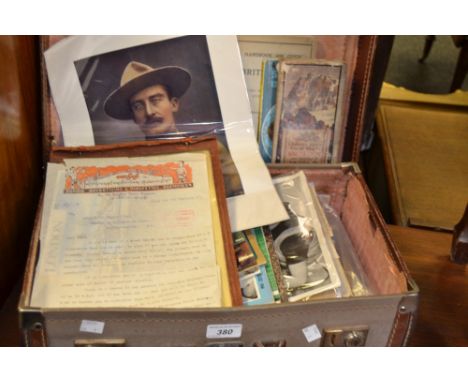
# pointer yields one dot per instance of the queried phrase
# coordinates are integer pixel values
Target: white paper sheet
(260, 204)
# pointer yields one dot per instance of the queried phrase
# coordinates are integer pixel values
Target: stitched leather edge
(409, 330)
(394, 329)
(401, 329)
(363, 98)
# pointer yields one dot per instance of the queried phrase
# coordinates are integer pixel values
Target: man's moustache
(150, 121)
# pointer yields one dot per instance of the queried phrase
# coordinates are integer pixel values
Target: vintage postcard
(307, 263)
(111, 220)
(244, 255)
(251, 239)
(256, 288)
(248, 256)
(110, 89)
(309, 121)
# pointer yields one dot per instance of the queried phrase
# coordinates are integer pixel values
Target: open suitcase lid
(365, 58)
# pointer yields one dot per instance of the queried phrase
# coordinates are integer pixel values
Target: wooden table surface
(443, 300)
(443, 307)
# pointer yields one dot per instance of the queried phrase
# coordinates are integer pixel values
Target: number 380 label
(224, 331)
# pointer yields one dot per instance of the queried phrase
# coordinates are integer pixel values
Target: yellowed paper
(178, 289)
(118, 218)
(219, 243)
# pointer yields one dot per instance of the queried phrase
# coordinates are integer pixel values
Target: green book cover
(258, 233)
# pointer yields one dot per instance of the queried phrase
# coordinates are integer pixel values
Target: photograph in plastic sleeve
(133, 88)
(149, 91)
(358, 282)
(306, 263)
(308, 121)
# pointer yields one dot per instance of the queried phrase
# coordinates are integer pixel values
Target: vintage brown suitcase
(385, 318)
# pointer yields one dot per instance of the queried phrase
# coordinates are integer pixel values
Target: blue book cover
(256, 289)
(267, 108)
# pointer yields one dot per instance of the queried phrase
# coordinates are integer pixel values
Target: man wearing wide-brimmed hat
(150, 96)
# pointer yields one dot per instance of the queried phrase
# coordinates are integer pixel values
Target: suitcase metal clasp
(347, 338)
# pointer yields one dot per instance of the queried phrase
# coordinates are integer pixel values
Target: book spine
(258, 232)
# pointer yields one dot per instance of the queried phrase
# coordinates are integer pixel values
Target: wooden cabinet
(20, 159)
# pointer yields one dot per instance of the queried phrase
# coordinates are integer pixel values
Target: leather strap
(401, 329)
(35, 337)
(372, 60)
(404, 321)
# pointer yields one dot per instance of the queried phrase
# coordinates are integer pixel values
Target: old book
(309, 113)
